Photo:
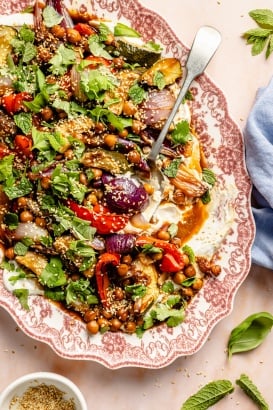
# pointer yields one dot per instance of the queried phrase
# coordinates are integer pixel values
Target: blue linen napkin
(258, 134)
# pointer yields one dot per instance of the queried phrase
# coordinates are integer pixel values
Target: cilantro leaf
(63, 58)
(53, 274)
(137, 93)
(80, 292)
(97, 47)
(22, 295)
(97, 81)
(181, 133)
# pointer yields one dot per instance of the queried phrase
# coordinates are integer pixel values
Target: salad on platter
(83, 224)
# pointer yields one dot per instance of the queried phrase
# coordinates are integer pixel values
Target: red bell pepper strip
(172, 260)
(100, 217)
(96, 61)
(102, 278)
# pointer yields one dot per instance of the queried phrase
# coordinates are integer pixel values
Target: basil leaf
(208, 395)
(252, 391)
(250, 333)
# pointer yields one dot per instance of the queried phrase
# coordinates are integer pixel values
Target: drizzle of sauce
(192, 221)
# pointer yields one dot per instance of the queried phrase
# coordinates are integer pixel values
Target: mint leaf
(137, 93)
(23, 120)
(208, 395)
(252, 391)
(97, 47)
(263, 17)
(6, 165)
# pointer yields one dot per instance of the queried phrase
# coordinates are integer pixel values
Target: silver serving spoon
(204, 46)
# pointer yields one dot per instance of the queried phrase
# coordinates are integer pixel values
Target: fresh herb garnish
(208, 395)
(121, 29)
(22, 295)
(261, 37)
(252, 391)
(51, 17)
(250, 333)
(172, 169)
(181, 133)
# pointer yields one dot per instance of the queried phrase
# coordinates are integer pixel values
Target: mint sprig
(261, 37)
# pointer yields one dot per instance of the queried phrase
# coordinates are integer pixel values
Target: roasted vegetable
(138, 54)
(114, 162)
(7, 33)
(164, 72)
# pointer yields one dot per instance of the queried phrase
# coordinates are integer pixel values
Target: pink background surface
(239, 75)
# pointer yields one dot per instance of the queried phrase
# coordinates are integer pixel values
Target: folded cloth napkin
(258, 134)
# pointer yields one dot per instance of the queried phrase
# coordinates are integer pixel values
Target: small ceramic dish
(57, 383)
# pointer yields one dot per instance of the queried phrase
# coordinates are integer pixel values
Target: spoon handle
(204, 46)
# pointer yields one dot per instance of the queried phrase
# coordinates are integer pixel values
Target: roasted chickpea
(73, 36)
(137, 126)
(103, 322)
(92, 198)
(69, 154)
(90, 315)
(197, 284)
(134, 156)
(40, 221)
(9, 253)
(115, 324)
(93, 327)
(26, 216)
(58, 31)
(45, 182)
(110, 140)
(130, 327)
(179, 277)
(118, 294)
(47, 113)
(215, 270)
(129, 108)
(124, 133)
(122, 269)
(122, 314)
(188, 292)
(107, 314)
(22, 202)
(164, 235)
(190, 271)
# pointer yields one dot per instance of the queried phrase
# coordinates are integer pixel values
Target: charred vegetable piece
(164, 72)
(31, 260)
(143, 55)
(114, 162)
(7, 33)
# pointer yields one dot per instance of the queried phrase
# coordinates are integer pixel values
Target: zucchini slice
(137, 54)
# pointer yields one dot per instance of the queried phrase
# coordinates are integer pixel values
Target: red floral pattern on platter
(223, 144)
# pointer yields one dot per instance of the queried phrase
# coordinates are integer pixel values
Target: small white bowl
(19, 386)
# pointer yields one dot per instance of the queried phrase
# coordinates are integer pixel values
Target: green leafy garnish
(172, 169)
(208, 395)
(51, 17)
(6, 165)
(137, 93)
(15, 189)
(97, 47)
(63, 59)
(22, 295)
(136, 291)
(159, 80)
(261, 37)
(53, 275)
(23, 120)
(250, 333)
(181, 133)
(121, 29)
(189, 252)
(252, 391)
(80, 292)
(208, 176)
(97, 81)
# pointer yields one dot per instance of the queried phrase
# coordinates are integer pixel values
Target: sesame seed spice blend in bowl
(42, 391)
